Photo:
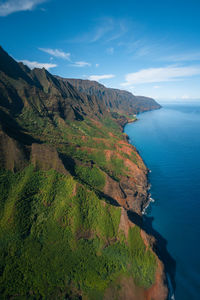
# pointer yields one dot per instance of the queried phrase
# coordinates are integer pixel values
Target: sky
(149, 48)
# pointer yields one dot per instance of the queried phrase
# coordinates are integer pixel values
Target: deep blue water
(169, 142)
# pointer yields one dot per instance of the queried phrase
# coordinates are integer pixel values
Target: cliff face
(72, 190)
(114, 99)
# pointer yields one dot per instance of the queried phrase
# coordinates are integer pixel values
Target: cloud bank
(169, 73)
(11, 6)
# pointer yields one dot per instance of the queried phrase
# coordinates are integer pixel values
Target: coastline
(162, 288)
(83, 136)
(148, 199)
(156, 139)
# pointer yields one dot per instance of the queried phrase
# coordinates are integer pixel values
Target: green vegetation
(58, 240)
(60, 233)
(111, 125)
(143, 260)
(117, 167)
(91, 175)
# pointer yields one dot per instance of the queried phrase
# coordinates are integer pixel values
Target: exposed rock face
(125, 222)
(136, 194)
(12, 155)
(114, 99)
(129, 291)
(45, 157)
(158, 290)
(39, 90)
(131, 191)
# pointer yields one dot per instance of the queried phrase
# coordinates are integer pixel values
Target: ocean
(168, 140)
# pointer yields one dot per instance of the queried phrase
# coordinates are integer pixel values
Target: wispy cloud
(56, 53)
(169, 73)
(100, 29)
(105, 29)
(143, 51)
(100, 77)
(110, 50)
(11, 6)
(192, 56)
(81, 64)
(65, 55)
(106, 26)
(142, 47)
(35, 64)
(121, 29)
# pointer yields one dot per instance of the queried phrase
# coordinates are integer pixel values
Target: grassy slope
(59, 240)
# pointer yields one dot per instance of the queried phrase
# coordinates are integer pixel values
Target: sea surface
(168, 140)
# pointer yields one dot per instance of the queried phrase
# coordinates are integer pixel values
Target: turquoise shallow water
(169, 142)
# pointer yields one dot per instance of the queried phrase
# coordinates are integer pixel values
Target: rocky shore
(132, 213)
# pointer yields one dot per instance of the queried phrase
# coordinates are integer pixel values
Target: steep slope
(69, 181)
(115, 100)
(21, 87)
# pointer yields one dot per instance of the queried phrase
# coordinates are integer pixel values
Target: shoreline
(145, 204)
(155, 244)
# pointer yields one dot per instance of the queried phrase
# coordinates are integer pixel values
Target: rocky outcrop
(13, 155)
(131, 191)
(45, 157)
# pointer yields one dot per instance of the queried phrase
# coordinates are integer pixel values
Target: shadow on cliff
(160, 247)
(15, 131)
(69, 163)
(108, 199)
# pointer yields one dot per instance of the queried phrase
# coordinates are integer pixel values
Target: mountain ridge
(114, 99)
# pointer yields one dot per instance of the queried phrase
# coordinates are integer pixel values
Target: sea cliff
(72, 191)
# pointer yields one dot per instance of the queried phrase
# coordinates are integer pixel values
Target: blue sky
(150, 48)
